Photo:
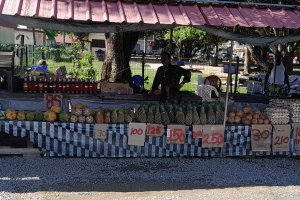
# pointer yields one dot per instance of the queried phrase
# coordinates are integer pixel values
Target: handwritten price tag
(296, 136)
(281, 138)
(155, 130)
(176, 134)
(213, 136)
(261, 137)
(100, 131)
(197, 131)
(52, 100)
(136, 134)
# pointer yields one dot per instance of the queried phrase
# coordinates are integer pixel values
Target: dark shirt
(169, 81)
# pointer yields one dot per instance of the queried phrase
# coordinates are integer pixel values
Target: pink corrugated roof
(59, 39)
(154, 13)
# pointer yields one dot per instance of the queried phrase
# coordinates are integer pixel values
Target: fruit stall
(192, 129)
(87, 118)
(70, 117)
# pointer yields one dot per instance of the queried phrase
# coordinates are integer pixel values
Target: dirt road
(150, 178)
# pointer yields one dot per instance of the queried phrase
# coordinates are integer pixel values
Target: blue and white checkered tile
(77, 140)
(237, 142)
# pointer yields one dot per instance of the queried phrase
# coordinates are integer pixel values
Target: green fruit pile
(2, 117)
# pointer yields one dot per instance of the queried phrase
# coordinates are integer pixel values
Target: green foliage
(187, 36)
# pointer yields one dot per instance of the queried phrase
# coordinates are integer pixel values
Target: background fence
(30, 55)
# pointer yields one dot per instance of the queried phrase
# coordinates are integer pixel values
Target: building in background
(40, 36)
(146, 45)
(7, 32)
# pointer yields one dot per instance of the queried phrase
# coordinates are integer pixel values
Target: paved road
(150, 178)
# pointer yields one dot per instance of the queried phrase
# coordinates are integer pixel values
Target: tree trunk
(255, 54)
(118, 52)
(247, 62)
(129, 41)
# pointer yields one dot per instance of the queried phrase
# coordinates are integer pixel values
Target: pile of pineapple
(184, 113)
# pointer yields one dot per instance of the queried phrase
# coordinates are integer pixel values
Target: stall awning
(129, 16)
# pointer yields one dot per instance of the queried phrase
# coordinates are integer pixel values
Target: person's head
(165, 58)
(278, 58)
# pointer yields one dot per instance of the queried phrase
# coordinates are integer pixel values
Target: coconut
(231, 114)
(254, 121)
(255, 116)
(237, 119)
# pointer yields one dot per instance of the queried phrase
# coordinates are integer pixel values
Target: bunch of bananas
(35, 73)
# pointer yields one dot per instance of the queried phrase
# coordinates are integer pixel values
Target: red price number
(215, 138)
(257, 135)
(154, 130)
(135, 131)
(51, 99)
(297, 132)
(197, 134)
(281, 140)
(177, 135)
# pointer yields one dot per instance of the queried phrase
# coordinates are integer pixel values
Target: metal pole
(33, 57)
(237, 72)
(34, 38)
(227, 89)
(21, 46)
(143, 68)
(170, 41)
(228, 80)
(26, 49)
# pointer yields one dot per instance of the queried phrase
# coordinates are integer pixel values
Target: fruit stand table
(24, 101)
(77, 140)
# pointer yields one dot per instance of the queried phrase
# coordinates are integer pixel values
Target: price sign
(176, 134)
(197, 131)
(136, 134)
(261, 137)
(155, 130)
(281, 138)
(296, 136)
(213, 136)
(100, 131)
(52, 100)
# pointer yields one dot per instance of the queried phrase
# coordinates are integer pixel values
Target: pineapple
(142, 116)
(219, 115)
(196, 119)
(127, 117)
(107, 117)
(211, 117)
(114, 117)
(137, 114)
(131, 114)
(120, 118)
(157, 117)
(180, 116)
(164, 116)
(189, 116)
(171, 114)
(150, 116)
(203, 119)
